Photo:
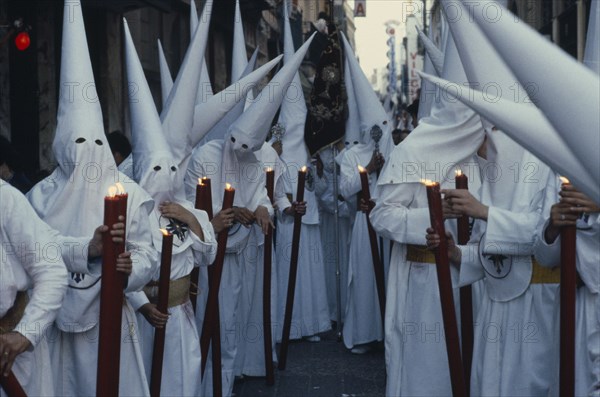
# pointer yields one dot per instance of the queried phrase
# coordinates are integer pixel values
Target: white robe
(182, 358)
(30, 260)
(514, 350)
(587, 321)
(207, 160)
(363, 322)
(324, 192)
(75, 352)
(310, 314)
(415, 347)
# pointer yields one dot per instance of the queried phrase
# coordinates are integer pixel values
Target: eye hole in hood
(80, 140)
(173, 168)
(157, 168)
(99, 142)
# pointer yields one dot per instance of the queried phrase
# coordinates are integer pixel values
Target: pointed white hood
(488, 72)
(166, 79)
(86, 167)
(353, 134)
(592, 45)
(208, 114)
(177, 116)
(428, 90)
(220, 129)
(572, 109)
(150, 149)
(450, 135)
(435, 54)
(239, 60)
(154, 168)
(205, 90)
(249, 132)
(293, 109)
(370, 109)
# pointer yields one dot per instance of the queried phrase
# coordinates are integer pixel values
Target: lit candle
(364, 181)
(568, 287)
(301, 182)
(122, 196)
(270, 182)
(204, 196)
(111, 303)
(434, 198)
(163, 307)
(228, 197)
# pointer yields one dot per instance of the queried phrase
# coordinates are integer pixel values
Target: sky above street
(371, 36)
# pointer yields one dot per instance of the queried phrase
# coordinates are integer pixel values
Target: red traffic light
(22, 41)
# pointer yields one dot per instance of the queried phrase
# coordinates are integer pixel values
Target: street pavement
(323, 369)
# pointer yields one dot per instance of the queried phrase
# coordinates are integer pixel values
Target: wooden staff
(111, 301)
(289, 304)
(466, 294)
(377, 260)
(268, 339)
(163, 307)
(11, 385)
(204, 202)
(211, 322)
(568, 286)
(457, 378)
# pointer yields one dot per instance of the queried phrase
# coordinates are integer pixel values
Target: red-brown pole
(466, 293)
(163, 307)
(289, 304)
(204, 203)
(211, 317)
(268, 338)
(377, 260)
(568, 286)
(111, 303)
(11, 385)
(457, 377)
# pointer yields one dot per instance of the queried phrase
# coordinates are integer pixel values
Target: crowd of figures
(364, 264)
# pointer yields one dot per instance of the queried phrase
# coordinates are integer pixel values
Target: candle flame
(269, 169)
(303, 169)
(564, 180)
(120, 188)
(205, 178)
(200, 182)
(228, 187)
(428, 182)
(458, 172)
(164, 232)
(112, 191)
(361, 169)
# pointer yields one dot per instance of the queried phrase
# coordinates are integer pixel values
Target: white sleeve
(48, 274)
(349, 176)
(204, 251)
(471, 269)
(392, 219)
(143, 254)
(137, 299)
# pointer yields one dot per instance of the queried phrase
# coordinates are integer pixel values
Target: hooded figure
(70, 200)
(547, 251)
(311, 313)
(233, 161)
(518, 291)
(43, 276)
(443, 141)
(428, 91)
(363, 323)
(193, 243)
